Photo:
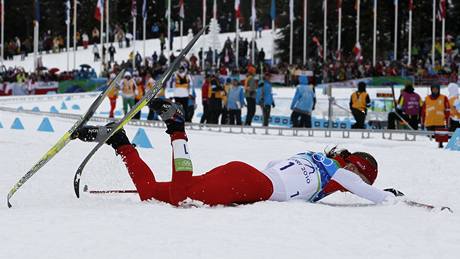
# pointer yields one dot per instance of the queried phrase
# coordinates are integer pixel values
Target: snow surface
(47, 221)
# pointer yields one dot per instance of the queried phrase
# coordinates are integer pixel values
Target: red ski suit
(233, 183)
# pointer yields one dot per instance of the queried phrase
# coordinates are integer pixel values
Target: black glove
(87, 133)
(96, 134)
(394, 191)
(171, 113)
(118, 139)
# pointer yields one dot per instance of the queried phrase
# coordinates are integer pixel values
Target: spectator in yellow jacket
(359, 102)
(138, 94)
(435, 110)
(127, 91)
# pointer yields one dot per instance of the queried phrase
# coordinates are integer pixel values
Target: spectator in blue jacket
(264, 98)
(235, 102)
(303, 104)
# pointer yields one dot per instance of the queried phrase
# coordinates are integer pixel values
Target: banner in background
(391, 80)
(436, 80)
(25, 89)
(372, 82)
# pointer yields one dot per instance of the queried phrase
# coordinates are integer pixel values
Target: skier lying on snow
(308, 176)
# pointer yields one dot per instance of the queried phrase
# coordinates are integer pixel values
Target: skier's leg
(142, 177)
(138, 170)
(232, 183)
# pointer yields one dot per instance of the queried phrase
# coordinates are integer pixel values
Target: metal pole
(204, 34)
(358, 14)
(134, 42)
(3, 31)
(74, 34)
(395, 50)
(325, 31)
(214, 15)
(107, 28)
(253, 31)
(409, 48)
(374, 50)
(305, 30)
(291, 29)
(169, 28)
(181, 33)
(339, 34)
(237, 54)
(144, 24)
(433, 42)
(330, 106)
(443, 43)
(273, 41)
(68, 43)
(101, 36)
(305, 2)
(36, 32)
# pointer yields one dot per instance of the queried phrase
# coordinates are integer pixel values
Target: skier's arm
(182, 168)
(353, 183)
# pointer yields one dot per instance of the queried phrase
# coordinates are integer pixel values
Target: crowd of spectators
(222, 96)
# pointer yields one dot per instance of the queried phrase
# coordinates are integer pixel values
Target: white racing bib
(294, 178)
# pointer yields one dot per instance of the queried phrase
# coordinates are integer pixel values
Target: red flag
(181, 9)
(318, 45)
(411, 5)
(442, 9)
(134, 8)
(357, 51)
(237, 9)
(339, 4)
(99, 10)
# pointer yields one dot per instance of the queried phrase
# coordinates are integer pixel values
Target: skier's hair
(335, 152)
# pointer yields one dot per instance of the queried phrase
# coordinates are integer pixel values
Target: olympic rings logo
(321, 158)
